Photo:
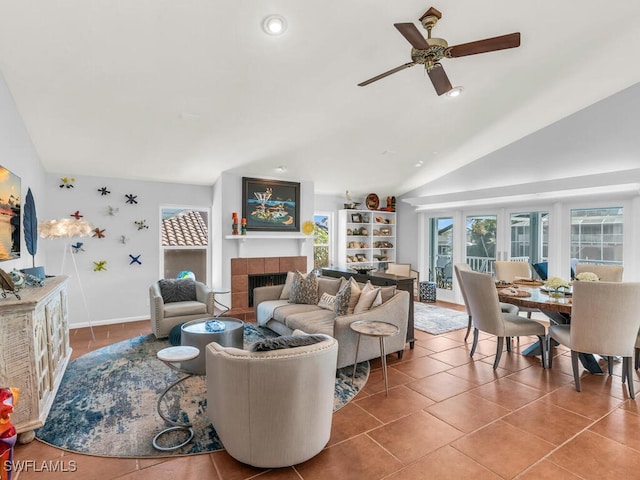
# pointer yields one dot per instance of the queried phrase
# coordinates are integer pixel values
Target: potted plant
(30, 221)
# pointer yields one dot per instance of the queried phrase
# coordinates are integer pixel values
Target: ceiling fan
(430, 51)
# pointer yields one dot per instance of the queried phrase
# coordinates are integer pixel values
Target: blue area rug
(437, 320)
(106, 403)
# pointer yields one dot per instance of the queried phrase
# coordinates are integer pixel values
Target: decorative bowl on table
(363, 269)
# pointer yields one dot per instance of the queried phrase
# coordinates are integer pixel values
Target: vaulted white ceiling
(181, 91)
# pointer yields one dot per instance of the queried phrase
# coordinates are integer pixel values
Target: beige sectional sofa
(279, 315)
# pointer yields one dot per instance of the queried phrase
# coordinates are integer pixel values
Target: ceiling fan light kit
(429, 51)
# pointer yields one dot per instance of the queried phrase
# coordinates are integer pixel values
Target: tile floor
(446, 417)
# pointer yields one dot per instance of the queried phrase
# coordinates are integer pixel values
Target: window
(529, 240)
(441, 254)
(185, 242)
(321, 243)
(481, 242)
(597, 235)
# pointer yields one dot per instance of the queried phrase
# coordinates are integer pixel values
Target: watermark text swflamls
(60, 466)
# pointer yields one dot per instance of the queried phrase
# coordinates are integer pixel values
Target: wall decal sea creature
(141, 224)
(123, 239)
(67, 182)
(135, 259)
(99, 265)
(103, 191)
(131, 198)
(76, 215)
(77, 247)
(99, 233)
(112, 210)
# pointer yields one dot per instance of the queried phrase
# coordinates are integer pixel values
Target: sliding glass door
(441, 232)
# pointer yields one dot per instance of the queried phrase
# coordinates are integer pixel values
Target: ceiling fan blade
(386, 74)
(413, 35)
(487, 45)
(439, 79)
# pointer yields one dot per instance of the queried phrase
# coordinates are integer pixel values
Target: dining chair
(509, 271)
(504, 307)
(606, 273)
(604, 320)
(486, 315)
(636, 360)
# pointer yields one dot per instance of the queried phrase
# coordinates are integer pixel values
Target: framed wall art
(10, 206)
(271, 205)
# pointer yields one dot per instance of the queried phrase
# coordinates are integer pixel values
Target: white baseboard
(110, 321)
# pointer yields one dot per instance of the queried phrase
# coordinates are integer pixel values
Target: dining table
(533, 294)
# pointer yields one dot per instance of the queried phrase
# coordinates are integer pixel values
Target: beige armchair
(606, 273)
(604, 320)
(166, 315)
(487, 317)
(272, 409)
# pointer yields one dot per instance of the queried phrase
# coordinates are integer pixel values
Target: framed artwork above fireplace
(271, 205)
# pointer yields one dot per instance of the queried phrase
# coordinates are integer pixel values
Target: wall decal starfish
(77, 247)
(135, 259)
(103, 191)
(99, 233)
(99, 265)
(76, 215)
(131, 198)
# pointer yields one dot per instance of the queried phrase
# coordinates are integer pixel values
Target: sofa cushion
(387, 293)
(327, 301)
(328, 285)
(177, 309)
(318, 321)
(282, 312)
(304, 290)
(341, 303)
(177, 290)
(367, 298)
(287, 341)
(286, 290)
(355, 295)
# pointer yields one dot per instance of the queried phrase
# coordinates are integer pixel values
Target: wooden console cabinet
(383, 280)
(34, 350)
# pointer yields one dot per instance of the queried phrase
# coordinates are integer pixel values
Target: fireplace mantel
(242, 239)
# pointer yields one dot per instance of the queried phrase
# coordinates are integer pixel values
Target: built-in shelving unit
(366, 237)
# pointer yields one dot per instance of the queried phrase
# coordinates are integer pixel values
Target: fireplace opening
(264, 280)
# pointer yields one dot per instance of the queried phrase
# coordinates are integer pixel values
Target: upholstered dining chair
(400, 269)
(486, 315)
(606, 273)
(604, 320)
(636, 359)
(509, 271)
(504, 307)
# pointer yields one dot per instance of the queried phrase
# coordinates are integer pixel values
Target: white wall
(18, 155)
(120, 292)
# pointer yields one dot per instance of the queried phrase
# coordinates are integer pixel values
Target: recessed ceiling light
(455, 91)
(419, 163)
(274, 25)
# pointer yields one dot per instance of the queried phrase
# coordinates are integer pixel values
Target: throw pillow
(328, 285)
(304, 290)
(286, 341)
(367, 297)
(341, 302)
(327, 301)
(286, 290)
(177, 290)
(355, 295)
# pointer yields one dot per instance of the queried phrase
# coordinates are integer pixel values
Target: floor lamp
(69, 228)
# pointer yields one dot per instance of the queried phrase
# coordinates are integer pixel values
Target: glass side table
(372, 328)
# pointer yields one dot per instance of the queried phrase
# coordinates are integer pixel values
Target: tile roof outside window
(187, 228)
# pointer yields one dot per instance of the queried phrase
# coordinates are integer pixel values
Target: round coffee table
(195, 334)
(372, 328)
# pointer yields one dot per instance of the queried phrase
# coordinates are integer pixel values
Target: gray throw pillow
(177, 290)
(341, 303)
(286, 341)
(304, 289)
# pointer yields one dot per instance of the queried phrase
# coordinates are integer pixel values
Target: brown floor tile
(414, 436)
(421, 367)
(400, 402)
(229, 468)
(456, 356)
(514, 361)
(446, 463)
(585, 403)
(503, 448)
(441, 386)
(375, 382)
(359, 458)
(511, 395)
(592, 456)
(622, 426)
(478, 372)
(75, 465)
(467, 412)
(193, 466)
(541, 378)
(438, 344)
(546, 470)
(350, 421)
(548, 421)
